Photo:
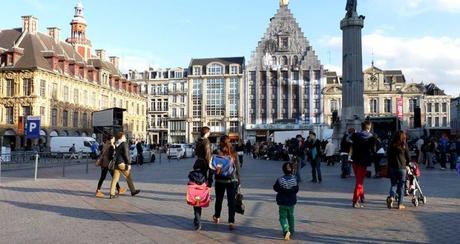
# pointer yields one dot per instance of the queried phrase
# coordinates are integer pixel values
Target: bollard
(36, 166)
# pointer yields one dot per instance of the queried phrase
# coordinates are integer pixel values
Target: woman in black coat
(398, 159)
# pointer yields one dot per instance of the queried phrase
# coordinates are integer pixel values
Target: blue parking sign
(32, 128)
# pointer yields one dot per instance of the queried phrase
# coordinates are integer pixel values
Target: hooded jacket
(287, 188)
(363, 148)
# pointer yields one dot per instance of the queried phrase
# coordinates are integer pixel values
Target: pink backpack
(198, 195)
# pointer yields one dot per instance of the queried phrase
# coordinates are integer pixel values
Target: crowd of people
(220, 168)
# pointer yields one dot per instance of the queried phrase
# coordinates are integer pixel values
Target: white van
(62, 144)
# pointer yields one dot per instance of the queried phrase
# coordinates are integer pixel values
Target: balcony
(178, 92)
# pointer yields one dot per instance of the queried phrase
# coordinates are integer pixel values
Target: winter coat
(363, 148)
(203, 149)
(107, 154)
(122, 154)
(286, 188)
(330, 149)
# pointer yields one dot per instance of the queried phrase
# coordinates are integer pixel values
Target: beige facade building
(216, 97)
(63, 82)
(387, 94)
(167, 103)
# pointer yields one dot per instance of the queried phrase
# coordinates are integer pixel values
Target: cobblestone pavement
(64, 210)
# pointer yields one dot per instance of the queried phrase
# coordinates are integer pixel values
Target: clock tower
(78, 37)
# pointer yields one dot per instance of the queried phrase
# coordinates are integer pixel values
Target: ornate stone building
(63, 82)
(284, 78)
(386, 94)
(455, 115)
(167, 103)
(215, 97)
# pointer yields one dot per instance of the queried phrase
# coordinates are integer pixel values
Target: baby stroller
(413, 188)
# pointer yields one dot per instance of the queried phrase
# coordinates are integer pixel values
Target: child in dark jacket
(199, 175)
(286, 187)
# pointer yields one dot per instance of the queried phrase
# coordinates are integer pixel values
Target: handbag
(111, 165)
(239, 205)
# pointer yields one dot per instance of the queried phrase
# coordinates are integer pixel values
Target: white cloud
(427, 59)
(416, 7)
(134, 59)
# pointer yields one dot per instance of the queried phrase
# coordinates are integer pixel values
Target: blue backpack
(222, 165)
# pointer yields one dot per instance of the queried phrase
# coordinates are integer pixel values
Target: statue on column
(351, 8)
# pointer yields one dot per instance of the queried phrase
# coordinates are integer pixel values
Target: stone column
(352, 70)
(289, 95)
(279, 96)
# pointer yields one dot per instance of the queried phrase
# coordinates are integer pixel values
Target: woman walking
(227, 184)
(122, 165)
(398, 159)
(107, 153)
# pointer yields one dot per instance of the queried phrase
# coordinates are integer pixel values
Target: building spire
(284, 3)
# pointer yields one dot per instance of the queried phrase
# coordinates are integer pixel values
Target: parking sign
(32, 129)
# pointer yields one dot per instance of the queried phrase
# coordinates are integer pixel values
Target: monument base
(341, 127)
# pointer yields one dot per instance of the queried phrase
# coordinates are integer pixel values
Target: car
(149, 155)
(176, 151)
(189, 151)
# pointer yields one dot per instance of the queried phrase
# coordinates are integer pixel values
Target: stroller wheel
(424, 200)
(415, 202)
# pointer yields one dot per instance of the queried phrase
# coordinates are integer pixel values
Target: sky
(419, 37)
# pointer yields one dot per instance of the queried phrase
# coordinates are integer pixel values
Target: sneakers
(401, 207)
(215, 219)
(287, 236)
(113, 196)
(197, 227)
(99, 194)
(231, 226)
(390, 201)
(121, 190)
(357, 205)
(135, 192)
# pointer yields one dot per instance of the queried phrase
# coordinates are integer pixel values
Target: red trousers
(360, 173)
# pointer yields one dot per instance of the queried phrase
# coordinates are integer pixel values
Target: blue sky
(421, 37)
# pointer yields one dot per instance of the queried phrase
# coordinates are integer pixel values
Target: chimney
(54, 33)
(100, 53)
(114, 60)
(29, 24)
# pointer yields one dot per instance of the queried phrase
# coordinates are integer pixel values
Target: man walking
(314, 151)
(140, 151)
(362, 155)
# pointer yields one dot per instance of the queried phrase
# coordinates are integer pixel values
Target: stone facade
(455, 115)
(284, 77)
(43, 76)
(167, 103)
(215, 97)
(387, 94)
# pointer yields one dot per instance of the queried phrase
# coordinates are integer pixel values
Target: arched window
(334, 105)
(295, 60)
(374, 106)
(215, 69)
(284, 60)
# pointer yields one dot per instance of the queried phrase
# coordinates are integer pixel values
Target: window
(334, 106)
(42, 113)
(411, 122)
(182, 99)
(317, 104)
(430, 122)
(85, 120)
(284, 60)
(444, 121)
(374, 106)
(388, 105)
(76, 96)
(66, 93)
(233, 69)
(444, 107)
(196, 98)
(284, 42)
(9, 88)
(436, 121)
(215, 69)
(65, 118)
(436, 107)
(197, 70)
(85, 98)
(174, 113)
(317, 90)
(165, 105)
(429, 107)
(174, 99)
(54, 91)
(27, 87)
(274, 60)
(234, 126)
(26, 111)
(215, 104)
(197, 127)
(174, 87)
(295, 60)
(182, 112)
(412, 105)
(9, 115)
(75, 119)
(54, 117)
(234, 97)
(43, 89)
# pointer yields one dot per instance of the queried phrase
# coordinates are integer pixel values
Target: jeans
(429, 159)
(345, 166)
(240, 158)
(398, 182)
(360, 172)
(104, 172)
(231, 192)
(116, 178)
(286, 218)
(197, 213)
(443, 159)
(316, 169)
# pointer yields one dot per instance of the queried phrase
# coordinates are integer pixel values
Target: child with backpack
(286, 187)
(198, 193)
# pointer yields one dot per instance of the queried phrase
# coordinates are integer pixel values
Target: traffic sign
(32, 129)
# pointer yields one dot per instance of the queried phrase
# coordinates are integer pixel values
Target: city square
(54, 209)
(325, 122)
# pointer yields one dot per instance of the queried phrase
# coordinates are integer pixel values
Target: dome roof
(79, 19)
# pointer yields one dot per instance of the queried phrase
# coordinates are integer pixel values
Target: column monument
(352, 71)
